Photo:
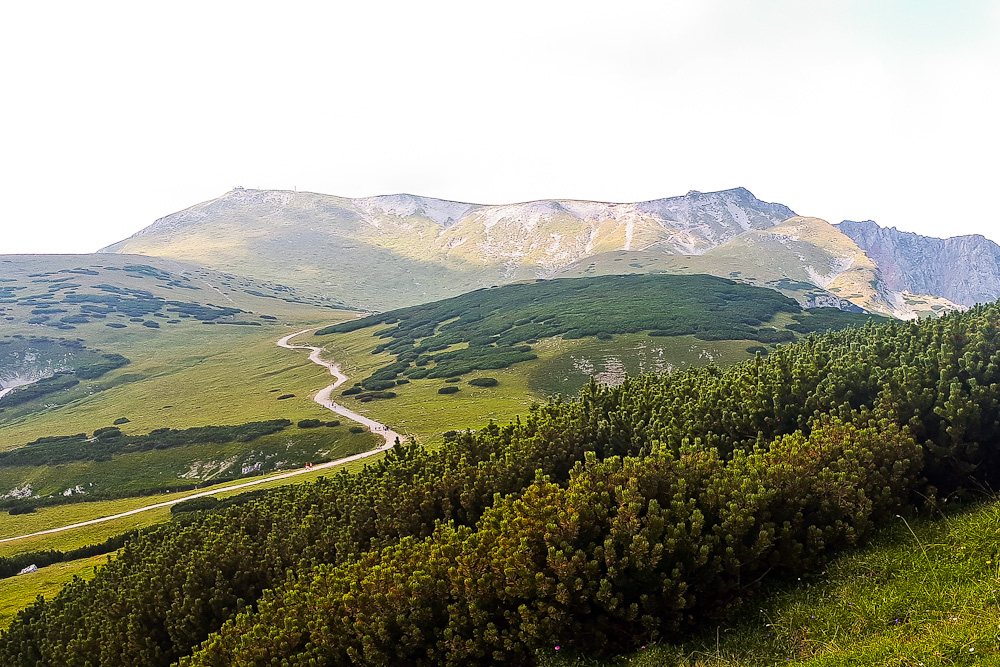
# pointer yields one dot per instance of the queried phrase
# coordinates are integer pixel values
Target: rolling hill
(491, 351)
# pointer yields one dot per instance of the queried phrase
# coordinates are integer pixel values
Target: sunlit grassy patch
(18, 592)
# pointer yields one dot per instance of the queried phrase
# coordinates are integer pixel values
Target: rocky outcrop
(962, 269)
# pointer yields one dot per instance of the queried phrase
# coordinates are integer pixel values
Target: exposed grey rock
(963, 269)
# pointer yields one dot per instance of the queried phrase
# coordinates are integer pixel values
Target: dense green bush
(309, 423)
(484, 382)
(22, 508)
(195, 505)
(450, 389)
(110, 363)
(372, 395)
(634, 547)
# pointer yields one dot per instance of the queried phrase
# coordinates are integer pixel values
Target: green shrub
(357, 429)
(195, 505)
(351, 391)
(372, 395)
(484, 382)
(309, 423)
(450, 389)
(25, 508)
(378, 385)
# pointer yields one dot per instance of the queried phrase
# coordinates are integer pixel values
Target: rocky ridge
(963, 269)
(395, 250)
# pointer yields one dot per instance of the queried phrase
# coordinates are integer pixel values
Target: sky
(116, 113)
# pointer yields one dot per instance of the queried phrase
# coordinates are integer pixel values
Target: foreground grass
(925, 595)
(18, 592)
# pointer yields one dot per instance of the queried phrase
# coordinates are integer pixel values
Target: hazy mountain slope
(804, 258)
(394, 250)
(731, 266)
(813, 251)
(964, 269)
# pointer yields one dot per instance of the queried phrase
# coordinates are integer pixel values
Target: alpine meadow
(289, 428)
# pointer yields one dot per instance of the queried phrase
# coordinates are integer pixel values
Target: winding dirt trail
(322, 397)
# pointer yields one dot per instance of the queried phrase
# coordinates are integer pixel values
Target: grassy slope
(300, 255)
(181, 375)
(163, 469)
(62, 515)
(16, 593)
(927, 597)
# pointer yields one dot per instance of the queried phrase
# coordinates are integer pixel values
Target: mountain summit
(389, 251)
(394, 250)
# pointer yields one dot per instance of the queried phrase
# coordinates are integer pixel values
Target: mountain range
(376, 253)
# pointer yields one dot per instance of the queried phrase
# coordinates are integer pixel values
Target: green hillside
(107, 360)
(547, 337)
(638, 513)
(90, 339)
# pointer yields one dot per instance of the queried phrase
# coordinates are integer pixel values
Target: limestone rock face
(962, 269)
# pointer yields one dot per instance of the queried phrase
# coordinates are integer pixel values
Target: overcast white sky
(116, 113)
